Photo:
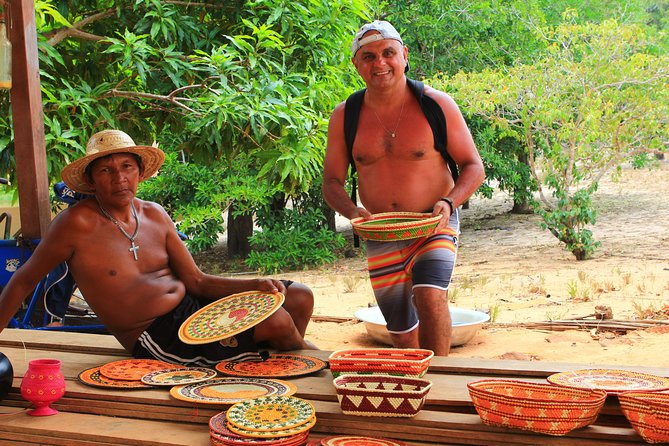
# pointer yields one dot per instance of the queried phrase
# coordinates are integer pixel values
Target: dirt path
(517, 272)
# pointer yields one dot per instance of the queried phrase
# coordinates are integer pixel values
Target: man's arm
(198, 283)
(335, 169)
(462, 149)
(53, 249)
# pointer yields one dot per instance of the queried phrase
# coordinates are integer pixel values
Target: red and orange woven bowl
(412, 362)
(648, 413)
(393, 226)
(381, 395)
(535, 407)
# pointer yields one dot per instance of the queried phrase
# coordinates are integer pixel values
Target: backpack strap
(351, 117)
(435, 117)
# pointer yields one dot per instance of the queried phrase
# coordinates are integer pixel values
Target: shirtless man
(399, 169)
(133, 269)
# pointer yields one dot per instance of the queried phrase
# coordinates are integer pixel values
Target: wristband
(449, 202)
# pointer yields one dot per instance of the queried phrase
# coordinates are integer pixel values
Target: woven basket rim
(419, 220)
(424, 384)
(338, 355)
(588, 395)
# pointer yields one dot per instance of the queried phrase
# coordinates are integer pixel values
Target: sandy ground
(518, 273)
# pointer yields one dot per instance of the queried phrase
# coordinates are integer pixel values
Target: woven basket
(411, 362)
(381, 395)
(392, 226)
(648, 413)
(535, 407)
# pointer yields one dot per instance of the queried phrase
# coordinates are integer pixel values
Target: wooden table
(94, 416)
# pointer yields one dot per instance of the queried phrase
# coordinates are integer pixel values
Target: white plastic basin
(465, 324)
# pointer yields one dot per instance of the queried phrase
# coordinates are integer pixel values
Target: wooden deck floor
(93, 416)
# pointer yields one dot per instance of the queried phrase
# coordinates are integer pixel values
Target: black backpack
(431, 109)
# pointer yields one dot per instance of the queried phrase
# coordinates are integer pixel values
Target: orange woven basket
(391, 361)
(648, 413)
(381, 395)
(535, 407)
(392, 226)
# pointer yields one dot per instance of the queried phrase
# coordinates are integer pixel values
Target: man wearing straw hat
(403, 166)
(135, 272)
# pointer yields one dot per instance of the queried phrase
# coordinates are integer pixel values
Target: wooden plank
(98, 344)
(117, 431)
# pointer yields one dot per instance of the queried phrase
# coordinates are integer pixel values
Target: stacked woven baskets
(381, 382)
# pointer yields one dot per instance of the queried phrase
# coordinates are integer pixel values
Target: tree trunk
(239, 230)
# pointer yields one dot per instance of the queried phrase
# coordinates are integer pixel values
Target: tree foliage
(599, 98)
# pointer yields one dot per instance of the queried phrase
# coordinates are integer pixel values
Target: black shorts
(161, 340)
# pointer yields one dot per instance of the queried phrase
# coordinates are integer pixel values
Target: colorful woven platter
(219, 431)
(232, 390)
(134, 369)
(277, 365)
(178, 377)
(270, 413)
(353, 440)
(392, 226)
(229, 316)
(281, 433)
(92, 377)
(611, 380)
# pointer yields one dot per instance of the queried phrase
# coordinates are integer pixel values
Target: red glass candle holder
(42, 385)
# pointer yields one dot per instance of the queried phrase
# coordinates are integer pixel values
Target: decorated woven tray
(391, 361)
(229, 316)
(537, 407)
(354, 440)
(392, 226)
(92, 377)
(648, 413)
(219, 431)
(134, 369)
(178, 377)
(611, 380)
(381, 395)
(278, 365)
(280, 433)
(232, 390)
(270, 413)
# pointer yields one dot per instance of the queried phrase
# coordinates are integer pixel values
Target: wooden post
(29, 145)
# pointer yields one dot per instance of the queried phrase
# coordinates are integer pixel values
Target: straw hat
(104, 143)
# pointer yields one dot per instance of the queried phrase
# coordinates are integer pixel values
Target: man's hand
(271, 286)
(441, 208)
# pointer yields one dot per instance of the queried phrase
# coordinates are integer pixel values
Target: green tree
(598, 99)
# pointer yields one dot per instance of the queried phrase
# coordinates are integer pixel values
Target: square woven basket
(536, 407)
(648, 413)
(381, 395)
(412, 362)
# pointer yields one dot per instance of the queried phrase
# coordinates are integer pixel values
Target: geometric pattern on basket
(536, 407)
(648, 413)
(391, 361)
(381, 395)
(392, 226)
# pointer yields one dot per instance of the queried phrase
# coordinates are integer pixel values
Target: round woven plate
(134, 369)
(218, 429)
(392, 226)
(229, 316)
(305, 427)
(611, 380)
(232, 390)
(270, 413)
(178, 377)
(277, 365)
(353, 440)
(92, 377)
